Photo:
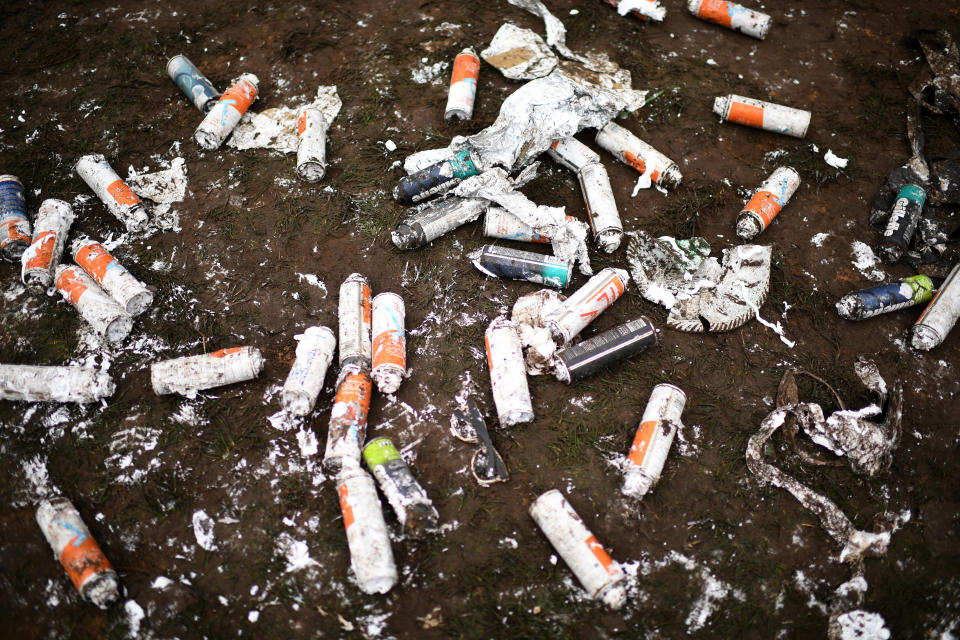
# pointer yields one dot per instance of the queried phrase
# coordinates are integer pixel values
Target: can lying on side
(651, 443)
(884, 298)
(634, 152)
(315, 347)
(347, 429)
(500, 223)
(766, 203)
(194, 84)
(32, 383)
(101, 311)
(502, 262)
(940, 316)
(40, 261)
(604, 350)
(185, 376)
(579, 310)
(436, 179)
(409, 500)
(223, 118)
(133, 295)
(760, 114)
(435, 219)
(119, 198)
(370, 554)
(354, 315)
(732, 16)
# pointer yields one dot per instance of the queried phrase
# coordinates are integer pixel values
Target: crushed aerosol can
(194, 84)
(80, 555)
(579, 310)
(642, 9)
(902, 223)
(14, 223)
(436, 179)
(185, 376)
(31, 383)
(133, 295)
(766, 203)
(389, 342)
(315, 347)
(435, 219)
(573, 154)
(312, 126)
(226, 113)
(651, 443)
(355, 317)
(884, 298)
(502, 262)
(600, 575)
(500, 223)
(732, 16)
(508, 372)
(367, 538)
(348, 417)
(601, 207)
(408, 498)
(119, 198)
(604, 350)
(95, 305)
(941, 314)
(764, 115)
(634, 152)
(463, 86)
(42, 257)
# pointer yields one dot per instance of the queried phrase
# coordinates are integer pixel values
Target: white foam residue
(313, 281)
(714, 590)
(861, 625)
(643, 182)
(295, 551)
(135, 616)
(429, 73)
(203, 530)
(865, 261)
(35, 469)
(834, 160)
(818, 238)
(307, 440)
(161, 583)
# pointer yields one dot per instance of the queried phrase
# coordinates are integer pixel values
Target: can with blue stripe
(902, 223)
(193, 83)
(436, 179)
(605, 350)
(14, 224)
(884, 298)
(514, 264)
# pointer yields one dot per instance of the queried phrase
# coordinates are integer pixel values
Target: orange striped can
(221, 120)
(766, 203)
(133, 295)
(348, 418)
(371, 556)
(185, 376)
(119, 198)
(389, 342)
(634, 152)
(651, 443)
(589, 301)
(732, 16)
(760, 114)
(463, 86)
(95, 305)
(40, 260)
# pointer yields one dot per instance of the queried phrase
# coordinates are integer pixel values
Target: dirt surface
(711, 553)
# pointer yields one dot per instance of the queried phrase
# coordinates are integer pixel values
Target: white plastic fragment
(185, 376)
(508, 376)
(30, 383)
(643, 9)
(834, 160)
(315, 347)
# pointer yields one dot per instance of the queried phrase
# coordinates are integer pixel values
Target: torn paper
(519, 54)
(162, 187)
(528, 314)
(276, 128)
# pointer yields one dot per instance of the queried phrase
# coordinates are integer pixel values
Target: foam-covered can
(95, 305)
(463, 85)
(601, 207)
(572, 154)
(884, 298)
(133, 295)
(435, 219)
(31, 383)
(194, 84)
(503, 262)
(221, 120)
(508, 372)
(355, 317)
(604, 350)
(312, 129)
(409, 500)
(766, 203)
(902, 223)
(348, 418)
(436, 179)
(760, 114)
(315, 347)
(732, 16)
(634, 152)
(39, 262)
(500, 223)
(189, 374)
(940, 315)
(579, 310)
(371, 557)
(119, 198)
(642, 9)
(81, 556)
(653, 438)
(14, 223)
(601, 576)
(389, 342)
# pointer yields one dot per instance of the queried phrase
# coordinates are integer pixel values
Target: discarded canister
(14, 223)
(579, 310)
(226, 113)
(193, 83)
(732, 16)
(604, 350)
(31, 383)
(643, 9)
(312, 126)
(435, 219)
(463, 86)
(634, 152)
(40, 260)
(80, 555)
(902, 223)
(773, 195)
(409, 500)
(500, 223)
(133, 295)
(315, 347)
(764, 115)
(354, 316)
(600, 575)
(435, 179)
(185, 376)
(389, 342)
(120, 199)
(348, 417)
(572, 154)
(508, 372)
(884, 298)
(651, 444)
(95, 305)
(502, 262)
(601, 206)
(370, 554)
(941, 314)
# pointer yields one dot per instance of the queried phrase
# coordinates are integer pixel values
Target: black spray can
(902, 223)
(605, 350)
(435, 179)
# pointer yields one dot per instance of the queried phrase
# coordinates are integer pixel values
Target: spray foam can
(502, 262)
(41, 259)
(463, 86)
(409, 500)
(312, 129)
(766, 203)
(315, 347)
(221, 120)
(436, 179)
(732, 16)
(103, 313)
(634, 152)
(14, 223)
(30, 383)
(902, 223)
(604, 350)
(572, 154)
(579, 310)
(194, 84)
(764, 115)
(370, 554)
(940, 315)
(601, 207)
(500, 223)
(119, 198)
(508, 372)
(185, 376)
(651, 444)
(348, 417)
(133, 295)
(389, 342)
(354, 315)
(884, 298)
(435, 219)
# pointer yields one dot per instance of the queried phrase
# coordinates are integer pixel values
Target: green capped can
(902, 223)
(409, 500)
(884, 298)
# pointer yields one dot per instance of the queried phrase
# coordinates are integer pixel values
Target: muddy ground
(711, 553)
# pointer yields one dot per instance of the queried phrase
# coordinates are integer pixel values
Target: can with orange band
(347, 430)
(508, 372)
(40, 260)
(133, 295)
(463, 86)
(221, 120)
(355, 318)
(500, 223)
(732, 16)
(312, 128)
(651, 444)
(120, 199)
(14, 223)
(185, 376)
(95, 305)
(766, 203)
(589, 301)
(371, 557)
(760, 114)
(634, 152)
(389, 342)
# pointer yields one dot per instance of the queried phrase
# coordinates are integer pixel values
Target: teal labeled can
(902, 223)
(884, 298)
(408, 499)
(503, 262)
(436, 179)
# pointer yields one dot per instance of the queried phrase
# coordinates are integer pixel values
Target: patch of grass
(680, 215)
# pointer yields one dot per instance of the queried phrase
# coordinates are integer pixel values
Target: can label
(70, 284)
(748, 114)
(345, 508)
(717, 11)
(193, 83)
(905, 215)
(760, 114)
(82, 558)
(121, 193)
(524, 265)
(601, 555)
(352, 401)
(133, 295)
(608, 348)
(12, 201)
(45, 242)
(635, 153)
(41, 258)
(641, 441)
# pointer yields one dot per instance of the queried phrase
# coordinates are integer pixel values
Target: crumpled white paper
(276, 128)
(163, 187)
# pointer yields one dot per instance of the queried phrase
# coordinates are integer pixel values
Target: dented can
(643, 9)
(315, 347)
(133, 295)
(389, 342)
(436, 179)
(902, 223)
(40, 260)
(651, 443)
(502, 262)
(500, 223)
(508, 372)
(600, 575)
(185, 376)
(634, 152)
(940, 315)
(435, 219)
(463, 85)
(573, 154)
(31, 383)
(221, 120)
(732, 16)
(14, 223)
(884, 298)
(601, 207)
(766, 203)
(95, 305)
(312, 128)
(119, 198)
(367, 538)
(579, 310)
(194, 84)
(760, 114)
(409, 500)
(81, 556)
(604, 350)
(348, 417)
(354, 314)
